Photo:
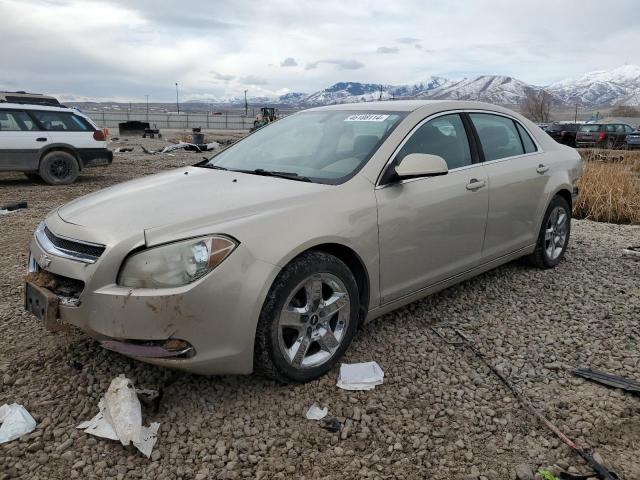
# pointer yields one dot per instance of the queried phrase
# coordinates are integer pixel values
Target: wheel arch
(60, 147)
(355, 263)
(566, 194)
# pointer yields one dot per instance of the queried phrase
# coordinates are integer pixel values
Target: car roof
(29, 106)
(412, 105)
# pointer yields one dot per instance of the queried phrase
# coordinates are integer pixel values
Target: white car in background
(53, 143)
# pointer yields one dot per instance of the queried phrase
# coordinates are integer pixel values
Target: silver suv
(269, 255)
(52, 143)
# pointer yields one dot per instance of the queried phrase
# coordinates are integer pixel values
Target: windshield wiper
(209, 165)
(271, 173)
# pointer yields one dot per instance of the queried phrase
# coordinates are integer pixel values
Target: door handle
(41, 139)
(542, 168)
(475, 184)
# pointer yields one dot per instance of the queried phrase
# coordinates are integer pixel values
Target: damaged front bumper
(205, 327)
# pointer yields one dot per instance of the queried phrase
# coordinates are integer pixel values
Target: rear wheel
(59, 168)
(308, 319)
(554, 235)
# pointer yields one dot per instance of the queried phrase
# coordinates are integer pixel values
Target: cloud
(289, 62)
(408, 40)
(220, 76)
(131, 49)
(388, 50)
(341, 64)
(253, 80)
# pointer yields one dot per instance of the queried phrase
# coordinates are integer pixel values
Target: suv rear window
(590, 128)
(61, 121)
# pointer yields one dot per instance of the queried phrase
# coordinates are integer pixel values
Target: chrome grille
(66, 247)
(74, 246)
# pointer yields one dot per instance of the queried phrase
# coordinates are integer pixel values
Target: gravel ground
(439, 414)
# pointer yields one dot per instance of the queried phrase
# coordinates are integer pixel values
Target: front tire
(59, 168)
(308, 319)
(554, 235)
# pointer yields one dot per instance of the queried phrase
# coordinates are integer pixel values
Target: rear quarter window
(61, 121)
(527, 142)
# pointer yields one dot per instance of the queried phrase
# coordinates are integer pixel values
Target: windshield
(324, 146)
(590, 128)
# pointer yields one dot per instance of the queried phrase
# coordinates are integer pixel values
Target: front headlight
(175, 264)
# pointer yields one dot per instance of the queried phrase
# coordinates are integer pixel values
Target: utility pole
(246, 105)
(177, 99)
(575, 118)
(147, 107)
(380, 97)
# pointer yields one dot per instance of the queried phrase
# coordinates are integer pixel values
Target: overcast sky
(122, 50)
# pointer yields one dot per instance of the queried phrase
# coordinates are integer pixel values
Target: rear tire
(554, 235)
(59, 168)
(308, 319)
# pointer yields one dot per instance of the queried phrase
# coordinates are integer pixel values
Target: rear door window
(529, 146)
(498, 136)
(444, 136)
(16, 121)
(61, 121)
(610, 128)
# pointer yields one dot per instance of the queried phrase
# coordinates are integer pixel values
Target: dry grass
(609, 187)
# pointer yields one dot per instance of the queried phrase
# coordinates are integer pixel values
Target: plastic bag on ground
(120, 418)
(16, 421)
(360, 376)
(316, 413)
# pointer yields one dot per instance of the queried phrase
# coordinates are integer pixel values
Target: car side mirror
(417, 165)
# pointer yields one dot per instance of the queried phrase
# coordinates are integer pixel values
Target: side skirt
(436, 287)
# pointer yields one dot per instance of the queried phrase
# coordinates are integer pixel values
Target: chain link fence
(111, 119)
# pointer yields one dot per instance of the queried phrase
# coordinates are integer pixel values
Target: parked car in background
(564, 133)
(52, 143)
(603, 135)
(632, 141)
(269, 255)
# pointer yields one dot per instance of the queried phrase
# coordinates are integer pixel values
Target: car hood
(180, 197)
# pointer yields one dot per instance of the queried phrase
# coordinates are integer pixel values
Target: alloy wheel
(60, 168)
(555, 235)
(314, 321)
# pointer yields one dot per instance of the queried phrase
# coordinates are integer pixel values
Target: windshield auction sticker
(366, 117)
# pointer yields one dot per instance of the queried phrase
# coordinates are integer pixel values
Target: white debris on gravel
(316, 413)
(16, 422)
(360, 376)
(120, 418)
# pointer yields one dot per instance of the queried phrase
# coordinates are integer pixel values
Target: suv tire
(59, 168)
(308, 319)
(554, 235)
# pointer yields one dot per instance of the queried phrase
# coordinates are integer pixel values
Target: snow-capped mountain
(347, 92)
(601, 88)
(487, 88)
(350, 92)
(292, 98)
